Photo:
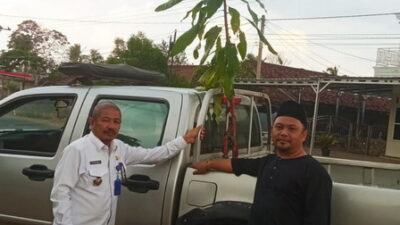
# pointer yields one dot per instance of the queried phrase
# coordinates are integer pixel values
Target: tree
(22, 58)
(96, 57)
(75, 53)
(33, 50)
(179, 59)
(47, 44)
(332, 71)
(224, 63)
(139, 51)
(118, 52)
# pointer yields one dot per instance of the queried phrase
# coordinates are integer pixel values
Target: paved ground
(349, 155)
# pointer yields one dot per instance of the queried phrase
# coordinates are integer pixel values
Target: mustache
(110, 132)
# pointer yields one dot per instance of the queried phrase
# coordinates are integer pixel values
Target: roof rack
(85, 73)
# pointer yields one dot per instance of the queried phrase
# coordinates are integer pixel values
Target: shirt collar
(99, 144)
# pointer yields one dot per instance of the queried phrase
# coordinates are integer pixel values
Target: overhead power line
(334, 17)
(126, 22)
(88, 21)
(324, 46)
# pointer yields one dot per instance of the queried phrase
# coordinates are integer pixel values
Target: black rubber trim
(221, 213)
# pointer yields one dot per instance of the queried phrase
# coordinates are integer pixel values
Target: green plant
(325, 141)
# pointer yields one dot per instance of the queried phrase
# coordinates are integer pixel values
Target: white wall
(387, 71)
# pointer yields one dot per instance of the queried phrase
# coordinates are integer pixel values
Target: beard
(282, 145)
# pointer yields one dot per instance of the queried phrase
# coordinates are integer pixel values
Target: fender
(226, 212)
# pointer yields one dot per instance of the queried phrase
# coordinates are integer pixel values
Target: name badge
(95, 162)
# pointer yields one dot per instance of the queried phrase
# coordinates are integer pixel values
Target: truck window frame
(10, 105)
(128, 98)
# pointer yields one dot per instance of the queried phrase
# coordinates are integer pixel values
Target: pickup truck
(38, 123)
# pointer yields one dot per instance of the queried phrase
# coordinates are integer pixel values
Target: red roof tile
(269, 70)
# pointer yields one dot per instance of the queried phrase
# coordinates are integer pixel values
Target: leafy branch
(225, 60)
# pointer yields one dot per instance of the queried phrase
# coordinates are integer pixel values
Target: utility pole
(171, 45)
(260, 49)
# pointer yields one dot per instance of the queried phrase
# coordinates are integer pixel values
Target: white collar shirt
(83, 189)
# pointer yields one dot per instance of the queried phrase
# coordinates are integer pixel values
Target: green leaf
(201, 22)
(201, 31)
(212, 7)
(211, 36)
(252, 13)
(220, 60)
(208, 79)
(217, 107)
(167, 5)
(185, 40)
(235, 19)
(242, 46)
(218, 45)
(263, 39)
(262, 5)
(233, 63)
(194, 11)
(196, 51)
(228, 87)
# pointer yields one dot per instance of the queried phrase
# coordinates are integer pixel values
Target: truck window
(396, 133)
(255, 130)
(143, 122)
(213, 141)
(34, 125)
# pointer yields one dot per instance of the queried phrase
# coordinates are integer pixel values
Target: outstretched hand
(191, 136)
(200, 167)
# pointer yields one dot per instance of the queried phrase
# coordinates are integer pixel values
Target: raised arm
(223, 165)
(135, 155)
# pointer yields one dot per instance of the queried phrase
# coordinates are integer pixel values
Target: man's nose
(113, 125)
(284, 132)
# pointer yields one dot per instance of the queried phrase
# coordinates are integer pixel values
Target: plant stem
(226, 22)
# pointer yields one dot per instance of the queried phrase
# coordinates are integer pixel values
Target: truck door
(205, 190)
(149, 118)
(34, 129)
(248, 125)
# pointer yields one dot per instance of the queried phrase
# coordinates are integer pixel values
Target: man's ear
(90, 122)
(305, 134)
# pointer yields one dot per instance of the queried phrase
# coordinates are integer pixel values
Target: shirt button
(270, 177)
(274, 167)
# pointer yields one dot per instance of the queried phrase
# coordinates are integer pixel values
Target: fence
(361, 138)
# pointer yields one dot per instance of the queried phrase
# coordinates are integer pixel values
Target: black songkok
(293, 109)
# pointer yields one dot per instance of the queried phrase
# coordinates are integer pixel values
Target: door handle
(38, 172)
(141, 183)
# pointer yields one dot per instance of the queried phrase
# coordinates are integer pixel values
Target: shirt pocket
(97, 171)
(96, 178)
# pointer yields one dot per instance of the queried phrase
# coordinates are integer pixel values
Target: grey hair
(101, 106)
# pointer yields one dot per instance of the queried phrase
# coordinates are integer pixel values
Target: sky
(349, 43)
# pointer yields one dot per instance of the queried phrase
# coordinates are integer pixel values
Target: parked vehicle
(37, 124)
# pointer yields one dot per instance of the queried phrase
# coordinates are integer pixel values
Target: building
(387, 62)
